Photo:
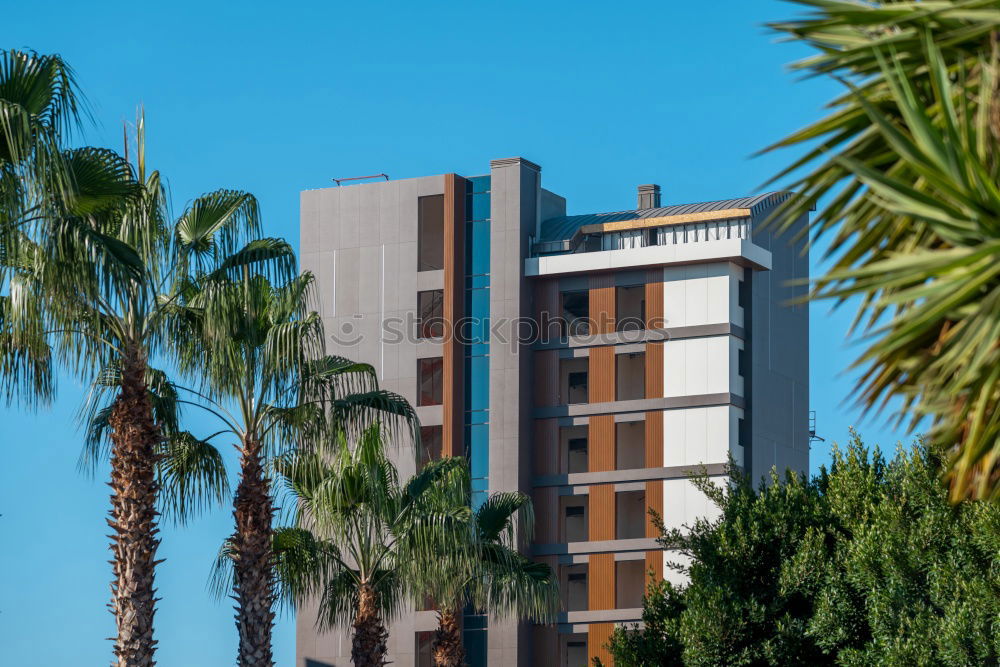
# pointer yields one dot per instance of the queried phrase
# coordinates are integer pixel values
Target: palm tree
(257, 351)
(39, 105)
(100, 270)
(361, 537)
(906, 169)
(480, 566)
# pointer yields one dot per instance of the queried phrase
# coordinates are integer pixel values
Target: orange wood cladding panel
(654, 370)
(454, 292)
(654, 562)
(601, 581)
(601, 374)
(598, 635)
(654, 299)
(654, 502)
(601, 444)
(654, 439)
(601, 513)
(602, 303)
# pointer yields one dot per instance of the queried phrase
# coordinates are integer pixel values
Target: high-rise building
(591, 361)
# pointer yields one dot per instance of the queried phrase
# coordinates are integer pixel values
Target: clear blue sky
(276, 98)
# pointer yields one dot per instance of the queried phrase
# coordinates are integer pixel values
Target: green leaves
(867, 563)
(908, 166)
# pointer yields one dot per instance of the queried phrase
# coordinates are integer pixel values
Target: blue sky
(277, 98)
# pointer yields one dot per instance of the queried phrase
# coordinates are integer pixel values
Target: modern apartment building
(599, 359)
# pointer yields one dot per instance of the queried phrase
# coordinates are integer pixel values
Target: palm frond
(192, 476)
(908, 167)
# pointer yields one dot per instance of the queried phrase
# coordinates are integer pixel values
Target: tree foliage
(865, 564)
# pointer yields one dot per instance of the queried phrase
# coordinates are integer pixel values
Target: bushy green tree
(865, 564)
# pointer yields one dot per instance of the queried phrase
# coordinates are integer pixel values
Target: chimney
(649, 196)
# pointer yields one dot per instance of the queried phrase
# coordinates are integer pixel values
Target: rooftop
(564, 228)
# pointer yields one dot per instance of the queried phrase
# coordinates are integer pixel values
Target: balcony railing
(691, 232)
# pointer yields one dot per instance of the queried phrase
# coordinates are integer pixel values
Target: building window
(430, 444)
(430, 233)
(430, 314)
(430, 382)
(577, 381)
(576, 456)
(630, 308)
(576, 313)
(424, 640)
(630, 376)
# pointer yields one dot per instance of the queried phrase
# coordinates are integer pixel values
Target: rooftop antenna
(812, 428)
(338, 181)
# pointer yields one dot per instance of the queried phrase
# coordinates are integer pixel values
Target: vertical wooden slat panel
(601, 443)
(654, 501)
(601, 512)
(601, 581)
(654, 562)
(597, 636)
(454, 291)
(602, 303)
(654, 299)
(654, 370)
(654, 439)
(601, 374)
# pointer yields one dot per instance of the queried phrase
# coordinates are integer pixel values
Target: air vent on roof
(649, 196)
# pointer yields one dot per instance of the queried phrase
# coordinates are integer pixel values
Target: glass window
(576, 312)
(578, 387)
(475, 646)
(479, 206)
(430, 381)
(630, 308)
(477, 250)
(424, 641)
(477, 389)
(430, 314)
(430, 233)
(430, 444)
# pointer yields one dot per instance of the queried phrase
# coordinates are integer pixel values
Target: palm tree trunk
(134, 439)
(447, 649)
(253, 561)
(369, 644)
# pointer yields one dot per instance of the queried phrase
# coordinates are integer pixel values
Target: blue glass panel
(479, 184)
(477, 316)
(478, 499)
(477, 350)
(475, 647)
(478, 206)
(477, 282)
(477, 247)
(474, 622)
(477, 388)
(477, 417)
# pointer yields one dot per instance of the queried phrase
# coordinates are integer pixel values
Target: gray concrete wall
(514, 210)
(361, 243)
(779, 336)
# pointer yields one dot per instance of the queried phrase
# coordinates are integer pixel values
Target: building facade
(591, 361)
